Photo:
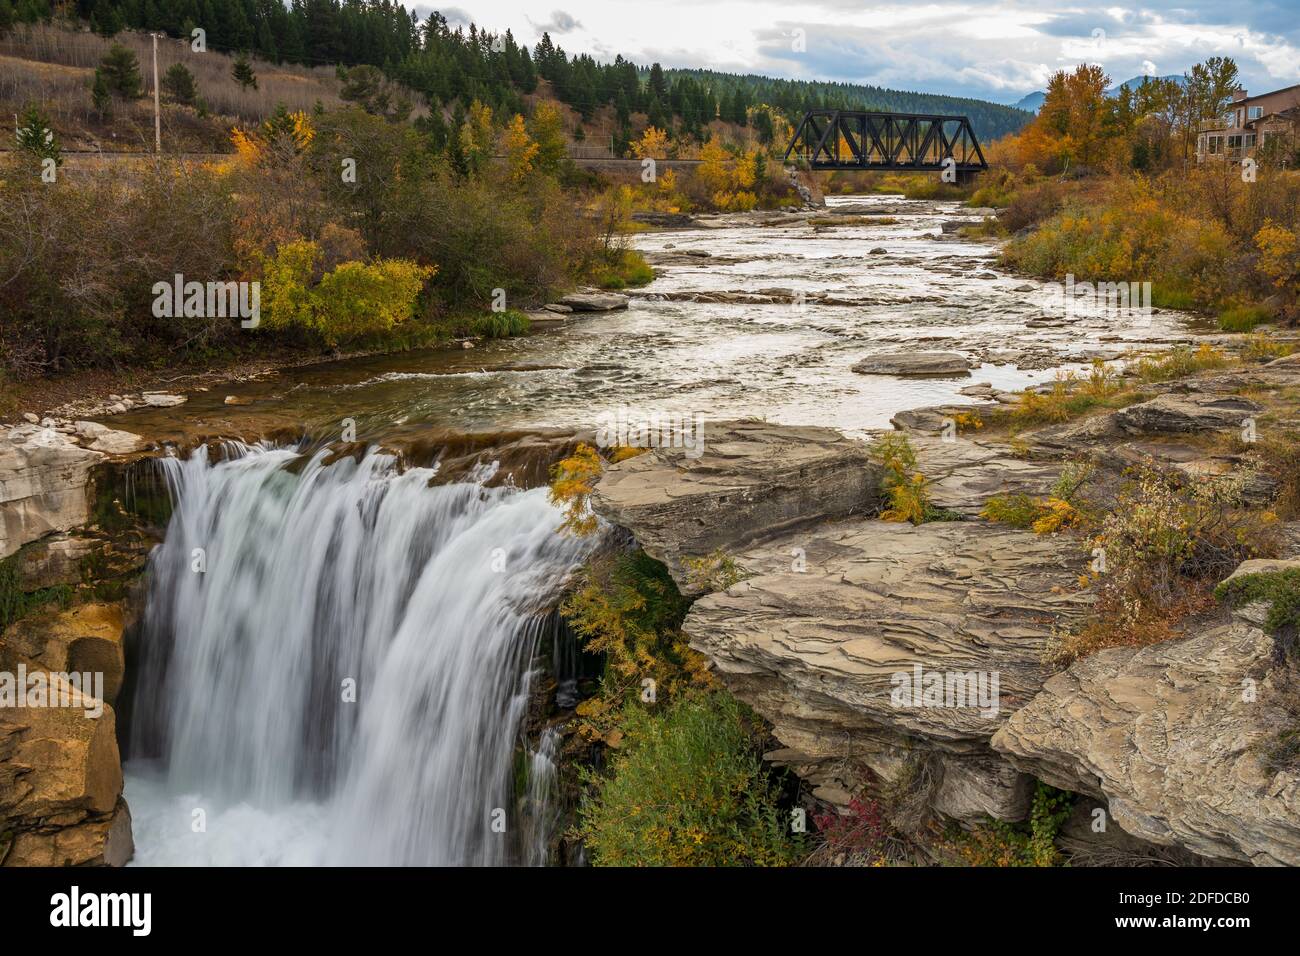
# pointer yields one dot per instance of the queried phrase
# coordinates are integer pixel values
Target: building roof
(1260, 96)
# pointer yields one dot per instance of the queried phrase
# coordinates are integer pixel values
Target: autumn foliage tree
(520, 151)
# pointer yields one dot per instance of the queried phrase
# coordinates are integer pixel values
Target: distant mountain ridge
(1033, 102)
(990, 120)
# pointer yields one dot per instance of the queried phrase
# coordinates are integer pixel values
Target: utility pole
(157, 111)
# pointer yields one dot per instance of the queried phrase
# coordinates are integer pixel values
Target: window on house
(1250, 140)
(1234, 142)
(1216, 145)
(1256, 112)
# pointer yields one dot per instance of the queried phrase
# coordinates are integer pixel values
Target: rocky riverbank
(835, 604)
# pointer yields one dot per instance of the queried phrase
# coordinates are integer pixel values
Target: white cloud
(994, 49)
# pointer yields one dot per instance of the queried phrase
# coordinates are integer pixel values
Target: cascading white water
(341, 650)
(542, 811)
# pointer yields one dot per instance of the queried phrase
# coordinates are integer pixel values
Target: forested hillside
(735, 92)
(458, 66)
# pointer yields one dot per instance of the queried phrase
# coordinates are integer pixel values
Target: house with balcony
(1267, 125)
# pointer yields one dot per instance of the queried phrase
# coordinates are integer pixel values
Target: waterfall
(347, 645)
(541, 812)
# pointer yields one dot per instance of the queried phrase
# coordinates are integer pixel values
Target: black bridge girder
(903, 142)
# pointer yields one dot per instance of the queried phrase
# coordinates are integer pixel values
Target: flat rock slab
(595, 301)
(751, 481)
(964, 474)
(876, 598)
(1164, 735)
(162, 399)
(932, 419)
(1187, 413)
(914, 363)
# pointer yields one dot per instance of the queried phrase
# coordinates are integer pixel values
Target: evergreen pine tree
(243, 73)
(121, 71)
(101, 96)
(36, 135)
(658, 85)
(108, 22)
(178, 83)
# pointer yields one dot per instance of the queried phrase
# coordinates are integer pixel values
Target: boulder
(53, 560)
(117, 443)
(58, 762)
(595, 301)
(111, 441)
(752, 481)
(914, 363)
(44, 481)
(82, 639)
(1168, 737)
(162, 399)
(99, 840)
(932, 419)
(1197, 412)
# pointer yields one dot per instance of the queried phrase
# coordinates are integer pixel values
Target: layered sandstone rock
(61, 782)
(1187, 413)
(44, 482)
(836, 621)
(914, 364)
(87, 638)
(750, 482)
(964, 474)
(1169, 738)
(832, 613)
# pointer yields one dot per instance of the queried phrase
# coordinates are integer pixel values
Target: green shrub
(1279, 589)
(353, 300)
(1062, 508)
(1181, 362)
(687, 787)
(1244, 318)
(628, 268)
(15, 603)
(500, 325)
(1004, 844)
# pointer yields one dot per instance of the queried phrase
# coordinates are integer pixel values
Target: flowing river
(335, 658)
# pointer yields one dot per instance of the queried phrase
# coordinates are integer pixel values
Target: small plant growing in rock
(716, 571)
(1026, 844)
(863, 831)
(1181, 362)
(1167, 542)
(1063, 508)
(573, 478)
(906, 488)
(1280, 590)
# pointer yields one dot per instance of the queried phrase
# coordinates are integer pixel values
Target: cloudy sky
(991, 49)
